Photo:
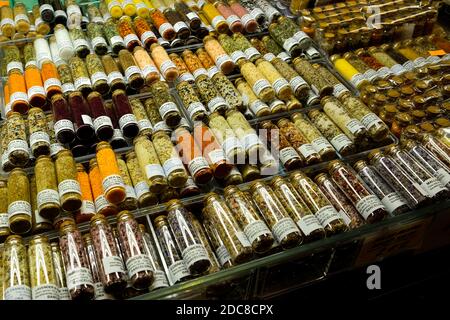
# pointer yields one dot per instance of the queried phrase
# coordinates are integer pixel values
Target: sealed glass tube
(141, 187)
(79, 278)
(19, 203)
(16, 281)
(317, 202)
(276, 216)
(391, 199)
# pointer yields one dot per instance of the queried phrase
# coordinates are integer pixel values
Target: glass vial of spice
(68, 186)
(19, 205)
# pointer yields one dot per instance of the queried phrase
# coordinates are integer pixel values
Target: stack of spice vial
(338, 27)
(410, 98)
(232, 229)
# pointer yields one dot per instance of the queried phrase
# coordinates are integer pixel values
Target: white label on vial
(19, 207)
(187, 76)
(51, 82)
(193, 254)
(67, 87)
(18, 96)
(45, 292)
(243, 239)
(197, 164)
(216, 103)
(223, 58)
(398, 69)
(217, 20)
(246, 18)
(320, 143)
(339, 89)
(445, 57)
(307, 150)
(297, 82)
(166, 65)
(17, 145)
(172, 164)
(21, 16)
(87, 119)
(354, 126)
(127, 119)
(309, 224)
(77, 43)
(63, 293)
(47, 196)
(223, 255)
(289, 43)
(144, 124)
(161, 126)
(130, 71)
(192, 16)
(167, 107)
(433, 186)
(340, 141)
(178, 271)
(73, 9)
(392, 201)
(141, 188)
(409, 65)
(194, 108)
(367, 205)
(260, 85)
(257, 105)
(269, 56)
(256, 13)
(384, 72)
(117, 40)
(230, 145)
(180, 25)
(83, 81)
(4, 220)
(237, 55)
(160, 280)
(443, 176)
(129, 38)
(87, 207)
(287, 154)
(129, 190)
(357, 79)
(433, 59)
(164, 27)
(98, 76)
(113, 4)
(31, 63)
(55, 148)
(68, 186)
(250, 140)
(44, 7)
(232, 19)
(14, 65)
(280, 84)
(97, 20)
(111, 181)
(284, 56)
(115, 75)
(370, 119)
(200, 71)
(101, 203)
(213, 71)
(113, 264)
(102, 121)
(39, 136)
(35, 90)
(300, 36)
(78, 276)
(327, 214)
(19, 292)
(6, 21)
(61, 13)
(252, 53)
(63, 124)
(98, 41)
(370, 75)
(138, 263)
(217, 156)
(256, 229)
(283, 228)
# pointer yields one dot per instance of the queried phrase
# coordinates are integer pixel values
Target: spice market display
(149, 147)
